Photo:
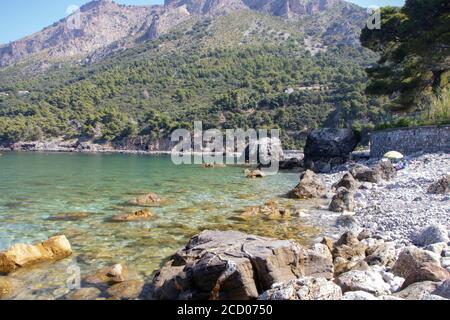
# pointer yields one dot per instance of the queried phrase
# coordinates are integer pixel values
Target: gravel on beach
(402, 207)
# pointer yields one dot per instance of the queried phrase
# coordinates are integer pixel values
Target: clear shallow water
(36, 186)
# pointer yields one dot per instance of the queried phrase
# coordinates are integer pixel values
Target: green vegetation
(435, 111)
(414, 44)
(231, 72)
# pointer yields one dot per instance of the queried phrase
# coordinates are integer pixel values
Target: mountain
(288, 64)
(107, 27)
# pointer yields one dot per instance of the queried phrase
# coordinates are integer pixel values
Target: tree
(414, 44)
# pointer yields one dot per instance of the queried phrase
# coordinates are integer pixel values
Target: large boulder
(317, 262)
(427, 272)
(24, 255)
(411, 259)
(418, 290)
(431, 235)
(386, 169)
(349, 248)
(252, 174)
(84, 294)
(367, 281)
(330, 145)
(270, 210)
(365, 174)
(442, 186)
(348, 182)
(306, 288)
(263, 152)
(383, 254)
(227, 265)
(342, 201)
(69, 216)
(310, 187)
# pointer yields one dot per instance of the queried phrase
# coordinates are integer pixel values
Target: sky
(19, 18)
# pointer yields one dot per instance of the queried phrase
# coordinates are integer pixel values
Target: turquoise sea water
(37, 186)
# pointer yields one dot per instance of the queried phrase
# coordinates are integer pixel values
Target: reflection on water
(43, 193)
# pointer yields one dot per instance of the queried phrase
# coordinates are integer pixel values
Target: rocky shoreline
(81, 146)
(391, 242)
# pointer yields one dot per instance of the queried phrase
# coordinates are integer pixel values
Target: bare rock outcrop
(24, 255)
(347, 182)
(233, 265)
(330, 146)
(310, 187)
(412, 259)
(342, 201)
(442, 186)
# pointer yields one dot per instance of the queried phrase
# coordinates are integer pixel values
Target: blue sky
(19, 18)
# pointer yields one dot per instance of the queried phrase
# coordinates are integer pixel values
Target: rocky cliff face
(102, 26)
(96, 25)
(285, 8)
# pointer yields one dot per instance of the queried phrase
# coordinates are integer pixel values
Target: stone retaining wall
(408, 141)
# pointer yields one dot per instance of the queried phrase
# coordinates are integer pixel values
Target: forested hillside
(245, 69)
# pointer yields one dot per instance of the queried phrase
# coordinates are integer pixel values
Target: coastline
(357, 258)
(59, 146)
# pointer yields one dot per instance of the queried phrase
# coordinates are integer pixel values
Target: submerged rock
(270, 210)
(213, 165)
(84, 294)
(24, 255)
(225, 265)
(136, 216)
(127, 290)
(9, 287)
(69, 216)
(150, 199)
(310, 187)
(252, 174)
(108, 276)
